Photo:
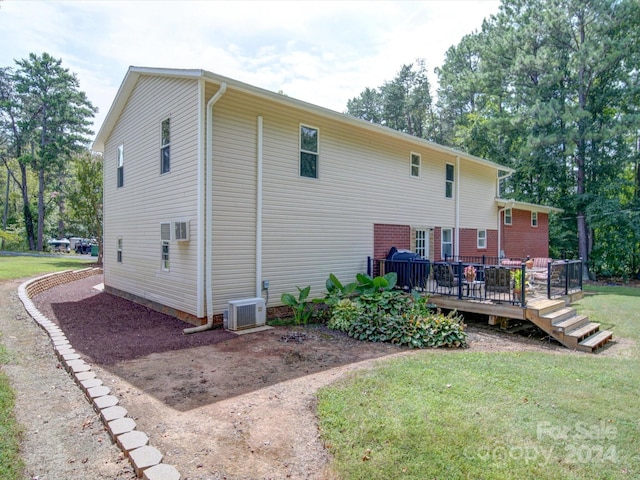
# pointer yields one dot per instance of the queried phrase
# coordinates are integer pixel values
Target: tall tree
(54, 116)
(404, 103)
(554, 84)
(85, 196)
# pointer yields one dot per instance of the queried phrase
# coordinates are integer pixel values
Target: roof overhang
(134, 73)
(530, 207)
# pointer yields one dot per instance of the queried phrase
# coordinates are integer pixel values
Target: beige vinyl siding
(135, 211)
(313, 227)
(477, 196)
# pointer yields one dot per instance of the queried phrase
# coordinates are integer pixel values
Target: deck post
(460, 276)
(523, 284)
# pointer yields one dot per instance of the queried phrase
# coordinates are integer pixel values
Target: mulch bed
(108, 329)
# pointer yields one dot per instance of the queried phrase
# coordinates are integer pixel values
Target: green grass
(473, 415)
(11, 465)
(12, 267)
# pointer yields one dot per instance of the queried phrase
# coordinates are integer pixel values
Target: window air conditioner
(181, 231)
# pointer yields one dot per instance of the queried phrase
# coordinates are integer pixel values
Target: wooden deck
(554, 317)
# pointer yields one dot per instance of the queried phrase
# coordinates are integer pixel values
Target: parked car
(83, 247)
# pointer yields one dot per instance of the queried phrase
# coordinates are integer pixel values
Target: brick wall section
(46, 282)
(469, 243)
(521, 240)
(387, 236)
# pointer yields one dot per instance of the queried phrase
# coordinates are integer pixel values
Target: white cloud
(320, 52)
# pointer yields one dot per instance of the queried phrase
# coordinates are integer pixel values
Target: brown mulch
(108, 329)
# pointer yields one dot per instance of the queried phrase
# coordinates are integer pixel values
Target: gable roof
(134, 73)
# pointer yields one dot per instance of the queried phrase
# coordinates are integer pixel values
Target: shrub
(343, 314)
(412, 329)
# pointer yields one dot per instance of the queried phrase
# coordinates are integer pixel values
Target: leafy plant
(516, 279)
(336, 291)
(302, 310)
(343, 314)
(367, 284)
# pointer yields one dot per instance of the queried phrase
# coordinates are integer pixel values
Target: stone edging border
(145, 459)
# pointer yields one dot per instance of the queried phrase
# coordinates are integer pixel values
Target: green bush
(343, 314)
(412, 329)
(302, 310)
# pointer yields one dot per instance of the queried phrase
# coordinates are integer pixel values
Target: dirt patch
(220, 405)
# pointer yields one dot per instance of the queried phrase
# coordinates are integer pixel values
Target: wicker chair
(497, 280)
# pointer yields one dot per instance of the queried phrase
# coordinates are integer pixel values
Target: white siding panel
(135, 211)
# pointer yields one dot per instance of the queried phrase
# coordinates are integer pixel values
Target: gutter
(208, 227)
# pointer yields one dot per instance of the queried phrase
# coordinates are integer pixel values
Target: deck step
(560, 315)
(584, 332)
(571, 323)
(596, 341)
(546, 306)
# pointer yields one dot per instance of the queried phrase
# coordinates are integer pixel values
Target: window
(422, 243)
(507, 216)
(165, 237)
(120, 174)
(119, 251)
(482, 239)
(449, 181)
(165, 255)
(308, 152)
(165, 146)
(534, 219)
(415, 165)
(446, 243)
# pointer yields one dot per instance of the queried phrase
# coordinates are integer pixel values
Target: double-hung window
(446, 242)
(165, 146)
(482, 239)
(120, 170)
(534, 219)
(119, 250)
(165, 237)
(415, 165)
(508, 219)
(449, 179)
(309, 151)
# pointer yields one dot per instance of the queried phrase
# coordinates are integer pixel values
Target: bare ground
(216, 404)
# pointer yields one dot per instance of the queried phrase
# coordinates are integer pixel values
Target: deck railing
(493, 282)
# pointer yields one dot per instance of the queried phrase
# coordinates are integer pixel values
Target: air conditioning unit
(181, 231)
(247, 313)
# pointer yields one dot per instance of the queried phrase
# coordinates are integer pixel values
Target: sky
(324, 53)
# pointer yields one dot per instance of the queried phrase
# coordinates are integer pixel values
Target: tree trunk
(26, 208)
(40, 209)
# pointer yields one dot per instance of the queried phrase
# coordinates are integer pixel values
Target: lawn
(465, 414)
(12, 267)
(20, 266)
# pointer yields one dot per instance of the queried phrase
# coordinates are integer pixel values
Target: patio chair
(497, 280)
(444, 277)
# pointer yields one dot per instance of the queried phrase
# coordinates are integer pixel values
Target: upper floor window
(508, 220)
(165, 146)
(534, 219)
(120, 171)
(415, 165)
(482, 239)
(450, 178)
(308, 152)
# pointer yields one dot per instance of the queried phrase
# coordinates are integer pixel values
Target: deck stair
(568, 327)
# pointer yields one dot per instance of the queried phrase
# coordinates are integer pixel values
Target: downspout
(200, 269)
(208, 227)
(259, 212)
(457, 177)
